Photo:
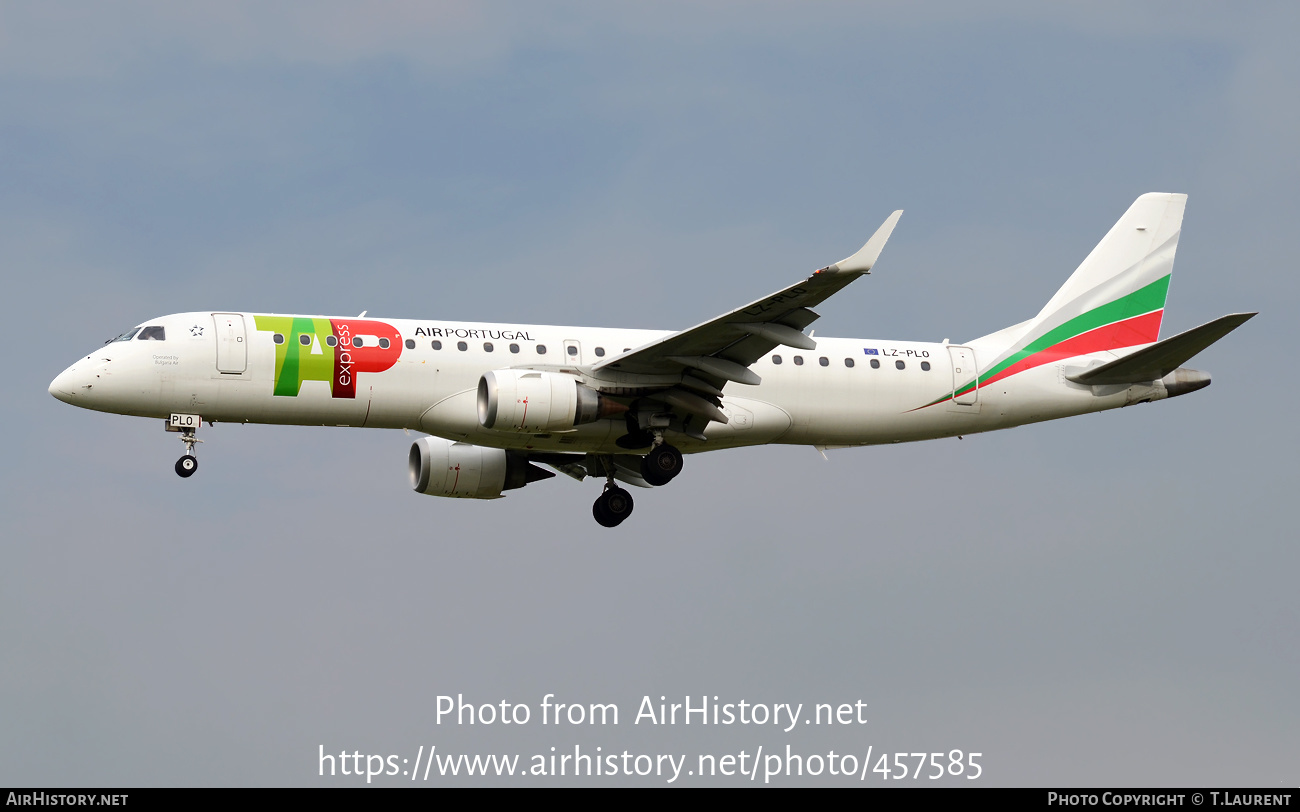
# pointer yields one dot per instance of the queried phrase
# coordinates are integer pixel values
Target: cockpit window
(154, 333)
(127, 336)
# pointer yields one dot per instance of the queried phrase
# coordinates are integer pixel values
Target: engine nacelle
(442, 468)
(528, 401)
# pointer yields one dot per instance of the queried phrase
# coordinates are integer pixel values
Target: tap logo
(332, 350)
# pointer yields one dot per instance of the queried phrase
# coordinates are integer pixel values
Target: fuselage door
(964, 374)
(232, 343)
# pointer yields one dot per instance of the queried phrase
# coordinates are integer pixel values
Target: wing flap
(776, 332)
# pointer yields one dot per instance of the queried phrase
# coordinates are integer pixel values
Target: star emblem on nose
(196, 331)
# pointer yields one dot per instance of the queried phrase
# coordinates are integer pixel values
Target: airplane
(499, 401)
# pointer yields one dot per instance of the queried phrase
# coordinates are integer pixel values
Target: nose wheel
(188, 464)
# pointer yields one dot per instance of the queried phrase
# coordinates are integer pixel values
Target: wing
(680, 377)
(721, 349)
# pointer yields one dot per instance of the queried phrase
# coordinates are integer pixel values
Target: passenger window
(900, 365)
(925, 365)
(358, 341)
(824, 361)
(514, 348)
(848, 362)
(436, 344)
(331, 341)
(776, 359)
(571, 350)
(277, 338)
(152, 334)
(600, 352)
(487, 346)
(304, 339)
(462, 346)
(384, 344)
(875, 364)
(798, 360)
(541, 349)
(410, 343)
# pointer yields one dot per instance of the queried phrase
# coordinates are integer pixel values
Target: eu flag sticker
(870, 351)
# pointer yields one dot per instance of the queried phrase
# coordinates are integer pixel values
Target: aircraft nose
(64, 387)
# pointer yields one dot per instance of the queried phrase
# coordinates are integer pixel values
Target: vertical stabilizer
(1137, 251)
(1114, 300)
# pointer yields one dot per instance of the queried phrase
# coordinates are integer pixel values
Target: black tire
(187, 465)
(662, 464)
(618, 504)
(613, 506)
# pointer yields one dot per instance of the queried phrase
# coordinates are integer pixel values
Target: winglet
(866, 257)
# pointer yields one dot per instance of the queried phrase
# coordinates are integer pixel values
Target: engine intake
(443, 468)
(528, 401)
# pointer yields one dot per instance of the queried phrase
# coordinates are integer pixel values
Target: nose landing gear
(188, 464)
(187, 425)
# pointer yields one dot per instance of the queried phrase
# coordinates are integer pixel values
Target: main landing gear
(657, 468)
(613, 506)
(662, 463)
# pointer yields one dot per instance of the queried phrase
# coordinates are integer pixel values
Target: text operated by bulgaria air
(767, 760)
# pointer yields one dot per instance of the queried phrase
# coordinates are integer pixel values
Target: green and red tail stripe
(1126, 322)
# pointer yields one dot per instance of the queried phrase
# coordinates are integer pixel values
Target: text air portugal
(337, 352)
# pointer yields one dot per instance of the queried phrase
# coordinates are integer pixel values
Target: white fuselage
(223, 368)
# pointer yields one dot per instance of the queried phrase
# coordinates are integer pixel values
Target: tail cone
(1184, 380)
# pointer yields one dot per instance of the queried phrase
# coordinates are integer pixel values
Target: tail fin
(1114, 299)
(1135, 255)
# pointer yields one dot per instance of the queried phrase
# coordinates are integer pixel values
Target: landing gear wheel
(662, 464)
(187, 465)
(613, 506)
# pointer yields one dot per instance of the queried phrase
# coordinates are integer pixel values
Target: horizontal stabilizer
(1161, 358)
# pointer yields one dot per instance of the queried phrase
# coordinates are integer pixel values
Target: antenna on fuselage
(362, 314)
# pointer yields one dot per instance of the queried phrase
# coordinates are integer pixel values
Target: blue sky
(1103, 600)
